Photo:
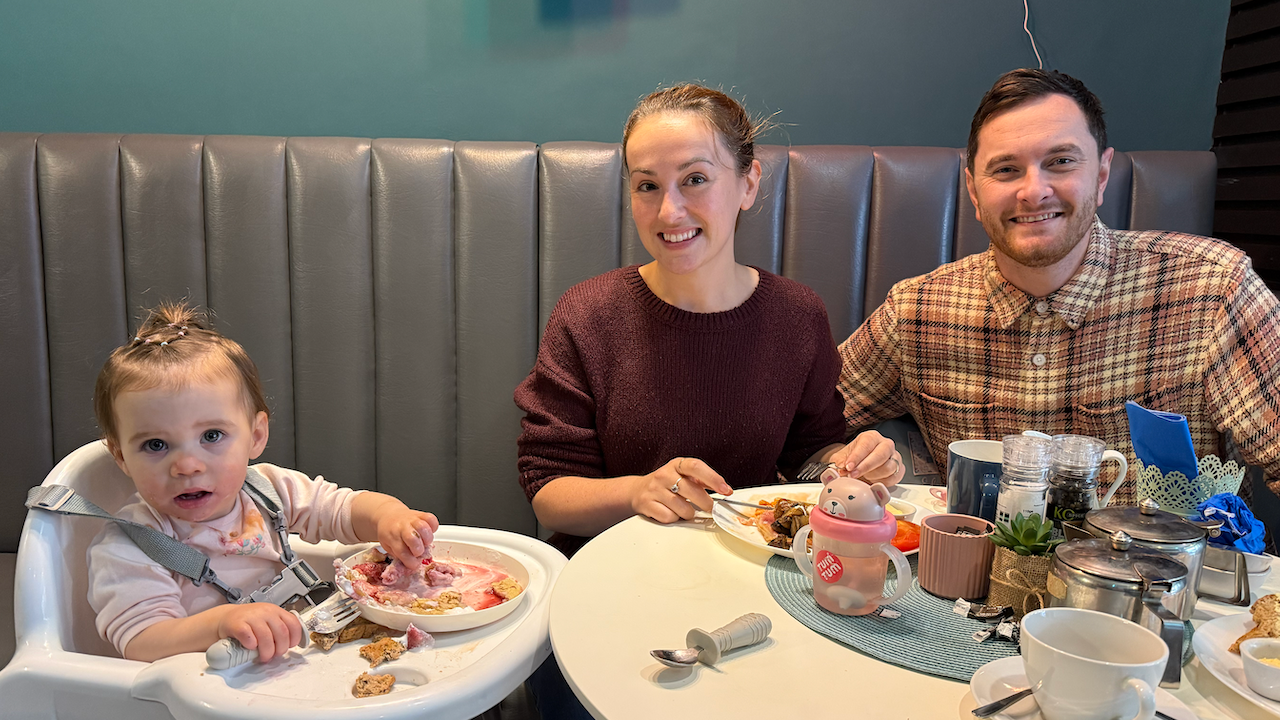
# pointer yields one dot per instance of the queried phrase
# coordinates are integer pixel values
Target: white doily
(1179, 494)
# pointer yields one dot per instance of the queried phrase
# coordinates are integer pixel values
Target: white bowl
(902, 509)
(450, 552)
(1263, 679)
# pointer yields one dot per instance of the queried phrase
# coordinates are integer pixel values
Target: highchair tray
(464, 674)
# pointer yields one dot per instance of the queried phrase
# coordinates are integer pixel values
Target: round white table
(641, 585)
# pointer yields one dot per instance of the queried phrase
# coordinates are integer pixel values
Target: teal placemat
(928, 637)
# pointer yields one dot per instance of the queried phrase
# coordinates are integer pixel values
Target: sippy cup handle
(800, 551)
(904, 574)
(1120, 478)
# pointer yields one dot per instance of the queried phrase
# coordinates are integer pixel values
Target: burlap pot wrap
(1019, 581)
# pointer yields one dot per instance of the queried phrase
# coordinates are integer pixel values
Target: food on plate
(779, 523)
(507, 588)
(908, 536)
(1266, 618)
(432, 588)
(384, 650)
(370, 685)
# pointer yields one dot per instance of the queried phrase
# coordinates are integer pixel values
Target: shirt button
(1042, 307)
(1038, 359)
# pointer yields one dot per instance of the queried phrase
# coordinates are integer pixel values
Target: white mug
(1084, 664)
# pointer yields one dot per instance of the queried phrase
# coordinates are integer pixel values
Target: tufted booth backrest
(392, 292)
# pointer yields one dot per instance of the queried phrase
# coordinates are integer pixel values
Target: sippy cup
(851, 537)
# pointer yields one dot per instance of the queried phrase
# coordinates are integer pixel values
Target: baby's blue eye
(212, 436)
(154, 445)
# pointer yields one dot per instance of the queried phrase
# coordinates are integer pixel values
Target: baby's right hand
(268, 628)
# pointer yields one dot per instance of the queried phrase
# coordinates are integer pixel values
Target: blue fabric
(1240, 529)
(1162, 439)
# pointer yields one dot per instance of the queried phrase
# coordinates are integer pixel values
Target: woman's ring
(675, 486)
(896, 464)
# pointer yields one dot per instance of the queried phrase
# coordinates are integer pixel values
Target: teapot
(1181, 539)
(1116, 576)
(852, 533)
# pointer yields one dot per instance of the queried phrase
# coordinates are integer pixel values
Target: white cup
(1084, 664)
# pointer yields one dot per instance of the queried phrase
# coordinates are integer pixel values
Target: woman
(657, 383)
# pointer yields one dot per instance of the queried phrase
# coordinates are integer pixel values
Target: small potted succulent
(1024, 554)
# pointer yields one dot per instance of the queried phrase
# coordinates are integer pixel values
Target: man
(1063, 319)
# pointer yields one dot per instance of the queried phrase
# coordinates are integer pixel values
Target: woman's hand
(872, 458)
(677, 490)
(261, 626)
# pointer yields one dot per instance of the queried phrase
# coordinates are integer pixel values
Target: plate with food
(1217, 645)
(460, 587)
(772, 529)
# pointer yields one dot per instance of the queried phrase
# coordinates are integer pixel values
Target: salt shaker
(1024, 477)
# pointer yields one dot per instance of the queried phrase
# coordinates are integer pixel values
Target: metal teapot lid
(1146, 522)
(1114, 558)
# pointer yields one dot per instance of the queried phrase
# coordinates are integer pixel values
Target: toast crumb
(1266, 618)
(383, 650)
(507, 588)
(447, 600)
(370, 685)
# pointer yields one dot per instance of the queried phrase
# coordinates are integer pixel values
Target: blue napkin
(1240, 529)
(1162, 439)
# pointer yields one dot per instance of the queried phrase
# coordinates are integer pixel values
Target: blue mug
(974, 468)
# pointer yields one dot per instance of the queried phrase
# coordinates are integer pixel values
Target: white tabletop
(641, 585)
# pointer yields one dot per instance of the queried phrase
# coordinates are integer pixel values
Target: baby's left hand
(406, 534)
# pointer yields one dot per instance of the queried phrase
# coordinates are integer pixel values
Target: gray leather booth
(392, 291)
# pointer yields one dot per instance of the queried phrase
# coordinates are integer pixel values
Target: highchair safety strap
(297, 580)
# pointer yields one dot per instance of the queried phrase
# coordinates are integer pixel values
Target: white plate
(449, 552)
(1211, 642)
(1003, 677)
(730, 520)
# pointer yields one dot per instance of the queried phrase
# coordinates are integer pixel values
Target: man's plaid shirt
(1174, 322)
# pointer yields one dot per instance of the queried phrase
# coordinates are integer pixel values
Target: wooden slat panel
(1246, 122)
(1255, 222)
(1251, 54)
(1248, 155)
(1253, 19)
(1250, 87)
(1249, 187)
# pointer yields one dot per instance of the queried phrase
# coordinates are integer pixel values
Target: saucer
(1003, 677)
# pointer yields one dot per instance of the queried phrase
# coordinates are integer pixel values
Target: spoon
(992, 708)
(709, 646)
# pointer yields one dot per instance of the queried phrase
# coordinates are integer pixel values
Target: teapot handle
(1120, 477)
(904, 574)
(800, 551)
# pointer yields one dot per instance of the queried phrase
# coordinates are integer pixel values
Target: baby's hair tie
(137, 338)
(166, 342)
(180, 333)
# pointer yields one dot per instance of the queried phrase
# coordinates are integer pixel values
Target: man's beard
(1075, 230)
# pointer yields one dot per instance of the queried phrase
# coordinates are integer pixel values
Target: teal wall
(875, 72)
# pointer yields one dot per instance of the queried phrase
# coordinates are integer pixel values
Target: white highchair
(62, 669)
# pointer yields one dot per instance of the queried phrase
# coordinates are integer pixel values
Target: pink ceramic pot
(954, 565)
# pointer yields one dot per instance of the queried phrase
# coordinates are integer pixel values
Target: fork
(812, 470)
(331, 615)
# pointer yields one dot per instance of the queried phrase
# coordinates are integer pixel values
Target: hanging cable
(1025, 17)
